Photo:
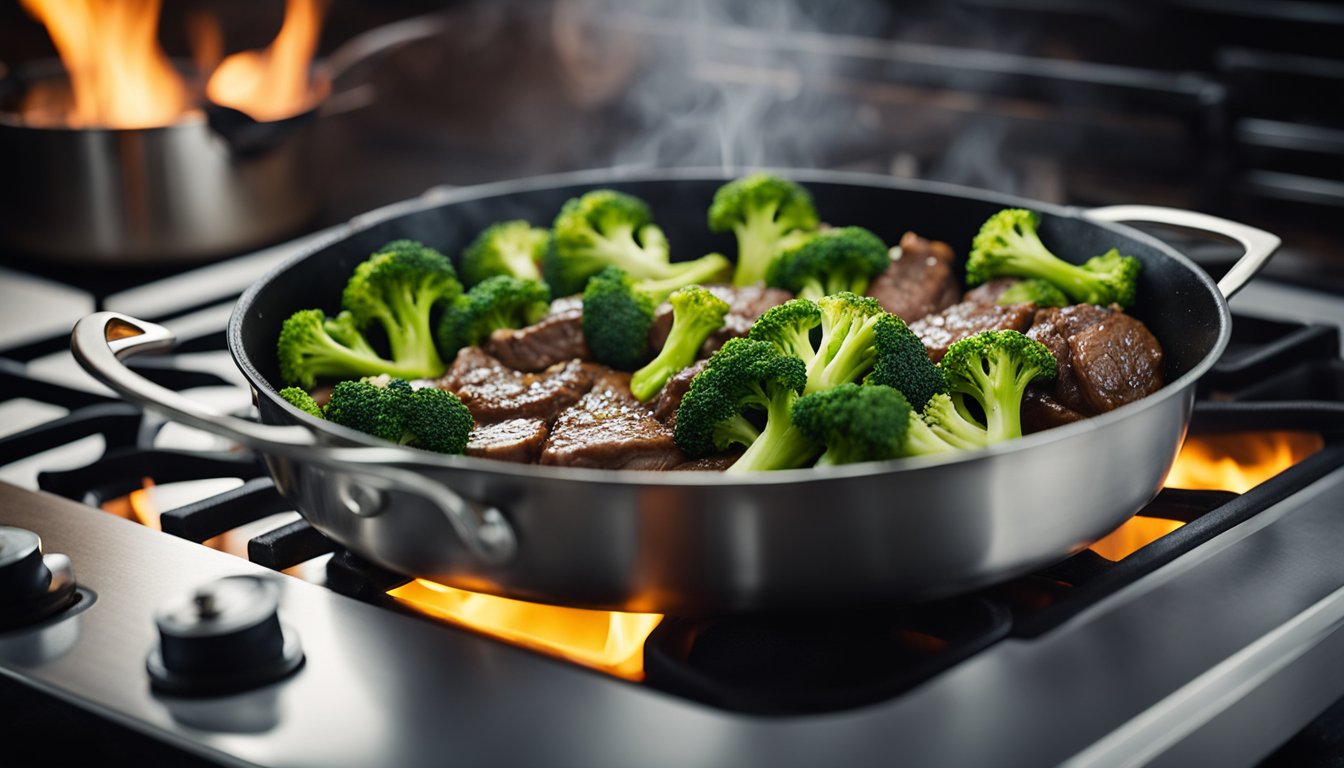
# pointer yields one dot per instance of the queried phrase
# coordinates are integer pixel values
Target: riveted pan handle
(102, 340)
(1259, 244)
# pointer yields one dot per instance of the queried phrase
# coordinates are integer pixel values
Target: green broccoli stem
(736, 430)
(340, 362)
(781, 445)
(679, 351)
(849, 361)
(757, 239)
(921, 440)
(1030, 258)
(409, 334)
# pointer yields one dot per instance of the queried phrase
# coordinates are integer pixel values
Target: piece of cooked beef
(918, 283)
(517, 440)
(554, 339)
(494, 392)
(745, 304)
(1106, 359)
(667, 402)
(942, 330)
(609, 429)
(989, 293)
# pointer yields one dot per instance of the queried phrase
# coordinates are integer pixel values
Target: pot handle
(102, 340)
(1259, 244)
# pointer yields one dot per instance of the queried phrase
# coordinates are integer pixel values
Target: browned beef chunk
(667, 402)
(990, 292)
(716, 463)
(556, 338)
(517, 440)
(942, 330)
(1106, 359)
(609, 429)
(745, 304)
(495, 392)
(920, 282)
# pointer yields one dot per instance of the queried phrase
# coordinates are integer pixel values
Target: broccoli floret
(788, 327)
(436, 420)
(847, 351)
(604, 228)
(497, 302)
(903, 363)
(1009, 246)
(836, 260)
(994, 368)
(311, 346)
(945, 427)
(428, 418)
(302, 400)
(397, 288)
(744, 381)
(616, 319)
(855, 423)
(696, 313)
(513, 248)
(1042, 293)
(768, 214)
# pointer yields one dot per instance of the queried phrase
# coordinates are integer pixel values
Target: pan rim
(441, 196)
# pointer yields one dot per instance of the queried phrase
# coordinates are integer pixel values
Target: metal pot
(215, 182)
(698, 543)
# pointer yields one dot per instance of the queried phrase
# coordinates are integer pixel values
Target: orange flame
(609, 641)
(273, 83)
(119, 76)
(1239, 461)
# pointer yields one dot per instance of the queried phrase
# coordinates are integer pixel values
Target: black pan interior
(1177, 304)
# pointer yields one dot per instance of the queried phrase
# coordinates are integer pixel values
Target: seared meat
(517, 440)
(745, 304)
(1106, 359)
(667, 402)
(918, 283)
(495, 392)
(556, 338)
(989, 292)
(609, 429)
(940, 331)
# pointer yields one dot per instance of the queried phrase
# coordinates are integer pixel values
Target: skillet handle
(102, 340)
(1259, 244)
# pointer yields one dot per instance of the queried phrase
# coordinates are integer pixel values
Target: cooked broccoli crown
(616, 319)
(603, 228)
(398, 287)
(1008, 245)
(994, 368)
(436, 420)
(836, 260)
(903, 363)
(497, 302)
(763, 210)
(307, 350)
(788, 327)
(710, 268)
(945, 427)
(513, 248)
(302, 400)
(366, 407)
(696, 313)
(848, 347)
(1042, 293)
(428, 418)
(855, 423)
(743, 381)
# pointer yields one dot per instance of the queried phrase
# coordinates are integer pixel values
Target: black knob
(33, 586)
(224, 637)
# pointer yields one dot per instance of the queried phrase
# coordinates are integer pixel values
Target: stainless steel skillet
(703, 543)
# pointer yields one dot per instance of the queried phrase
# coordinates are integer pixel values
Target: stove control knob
(224, 637)
(33, 586)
